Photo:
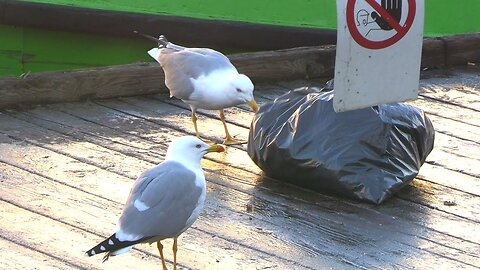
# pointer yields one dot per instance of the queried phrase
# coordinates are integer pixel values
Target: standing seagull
(163, 202)
(203, 78)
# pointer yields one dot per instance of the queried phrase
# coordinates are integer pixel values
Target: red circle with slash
(371, 44)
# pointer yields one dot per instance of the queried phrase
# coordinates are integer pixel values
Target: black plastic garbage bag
(367, 154)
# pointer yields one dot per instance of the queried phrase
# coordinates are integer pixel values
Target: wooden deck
(66, 169)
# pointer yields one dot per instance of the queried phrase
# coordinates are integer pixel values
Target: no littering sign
(379, 45)
(388, 13)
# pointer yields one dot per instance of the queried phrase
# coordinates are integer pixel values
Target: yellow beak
(215, 148)
(253, 105)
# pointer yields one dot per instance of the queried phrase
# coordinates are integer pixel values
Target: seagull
(204, 79)
(163, 202)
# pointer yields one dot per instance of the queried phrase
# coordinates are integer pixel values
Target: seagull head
(188, 149)
(242, 91)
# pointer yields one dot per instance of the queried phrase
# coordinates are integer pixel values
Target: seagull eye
(239, 90)
(198, 146)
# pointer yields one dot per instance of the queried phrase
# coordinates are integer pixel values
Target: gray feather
(170, 192)
(182, 65)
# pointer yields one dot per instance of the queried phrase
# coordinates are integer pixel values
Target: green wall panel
(442, 17)
(11, 50)
(64, 47)
(447, 17)
(25, 49)
(311, 13)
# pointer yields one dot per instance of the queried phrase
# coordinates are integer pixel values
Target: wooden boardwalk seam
(66, 170)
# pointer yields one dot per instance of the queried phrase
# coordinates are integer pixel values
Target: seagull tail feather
(112, 245)
(162, 41)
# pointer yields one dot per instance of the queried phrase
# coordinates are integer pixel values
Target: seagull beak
(253, 105)
(215, 148)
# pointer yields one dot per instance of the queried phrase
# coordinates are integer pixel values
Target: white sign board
(379, 46)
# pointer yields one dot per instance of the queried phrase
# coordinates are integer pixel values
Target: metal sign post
(379, 46)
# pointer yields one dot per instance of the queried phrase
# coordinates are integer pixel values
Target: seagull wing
(160, 204)
(194, 62)
(181, 66)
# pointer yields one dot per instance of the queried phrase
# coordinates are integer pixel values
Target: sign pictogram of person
(377, 25)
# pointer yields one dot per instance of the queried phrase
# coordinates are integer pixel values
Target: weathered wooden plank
(229, 228)
(54, 238)
(173, 117)
(137, 79)
(197, 249)
(124, 128)
(448, 150)
(438, 157)
(449, 178)
(243, 258)
(18, 256)
(464, 132)
(456, 155)
(444, 199)
(63, 217)
(448, 111)
(243, 205)
(451, 120)
(459, 87)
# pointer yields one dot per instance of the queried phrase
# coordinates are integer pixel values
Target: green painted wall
(11, 47)
(442, 17)
(312, 13)
(25, 49)
(28, 49)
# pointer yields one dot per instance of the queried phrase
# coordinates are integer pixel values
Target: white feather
(155, 53)
(141, 206)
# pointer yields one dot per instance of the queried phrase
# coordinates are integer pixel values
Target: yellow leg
(160, 250)
(229, 140)
(194, 120)
(175, 254)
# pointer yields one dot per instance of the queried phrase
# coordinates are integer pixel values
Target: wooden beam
(461, 49)
(148, 78)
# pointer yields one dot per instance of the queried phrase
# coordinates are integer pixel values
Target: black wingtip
(110, 245)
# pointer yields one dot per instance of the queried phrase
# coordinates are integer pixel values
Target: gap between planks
(178, 130)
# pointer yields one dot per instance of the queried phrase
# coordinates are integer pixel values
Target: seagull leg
(175, 253)
(160, 250)
(194, 120)
(229, 140)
